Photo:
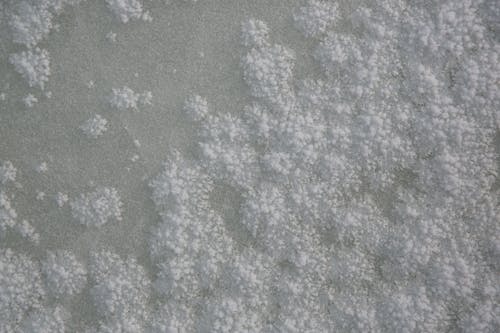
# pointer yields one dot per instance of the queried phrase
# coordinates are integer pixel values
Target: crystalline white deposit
(95, 126)
(125, 98)
(34, 66)
(30, 100)
(7, 172)
(97, 207)
(344, 179)
(316, 17)
(63, 274)
(120, 292)
(21, 289)
(127, 10)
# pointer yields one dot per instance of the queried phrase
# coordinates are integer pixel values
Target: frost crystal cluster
(97, 207)
(352, 186)
(366, 197)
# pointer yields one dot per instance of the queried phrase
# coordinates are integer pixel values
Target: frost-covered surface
(306, 166)
(97, 207)
(63, 274)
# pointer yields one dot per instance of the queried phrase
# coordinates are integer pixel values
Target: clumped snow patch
(97, 207)
(33, 65)
(120, 292)
(125, 98)
(30, 100)
(127, 10)
(21, 289)
(316, 17)
(63, 274)
(95, 126)
(356, 191)
(7, 172)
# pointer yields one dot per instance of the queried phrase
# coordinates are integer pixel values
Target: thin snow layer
(355, 190)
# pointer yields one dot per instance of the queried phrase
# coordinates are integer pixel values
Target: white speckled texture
(249, 166)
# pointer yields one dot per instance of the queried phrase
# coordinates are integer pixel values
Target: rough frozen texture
(63, 274)
(125, 98)
(34, 66)
(343, 179)
(21, 289)
(126, 10)
(97, 207)
(94, 127)
(316, 17)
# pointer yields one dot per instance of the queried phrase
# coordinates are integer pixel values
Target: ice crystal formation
(97, 207)
(125, 98)
(95, 126)
(344, 180)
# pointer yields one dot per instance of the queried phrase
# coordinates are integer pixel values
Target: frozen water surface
(249, 166)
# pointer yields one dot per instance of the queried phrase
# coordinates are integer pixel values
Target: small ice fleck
(111, 36)
(42, 167)
(40, 195)
(61, 198)
(30, 100)
(94, 127)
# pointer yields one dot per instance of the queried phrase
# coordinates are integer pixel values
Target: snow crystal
(33, 65)
(95, 126)
(7, 172)
(120, 292)
(127, 10)
(63, 274)
(61, 198)
(316, 17)
(21, 288)
(125, 98)
(30, 100)
(97, 207)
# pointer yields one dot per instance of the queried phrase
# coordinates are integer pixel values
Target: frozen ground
(249, 166)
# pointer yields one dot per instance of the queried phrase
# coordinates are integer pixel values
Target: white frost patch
(61, 199)
(33, 65)
(21, 288)
(111, 36)
(27, 231)
(254, 33)
(63, 274)
(196, 107)
(30, 100)
(268, 69)
(97, 207)
(8, 214)
(316, 17)
(7, 172)
(120, 293)
(125, 98)
(95, 126)
(30, 21)
(127, 10)
(42, 167)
